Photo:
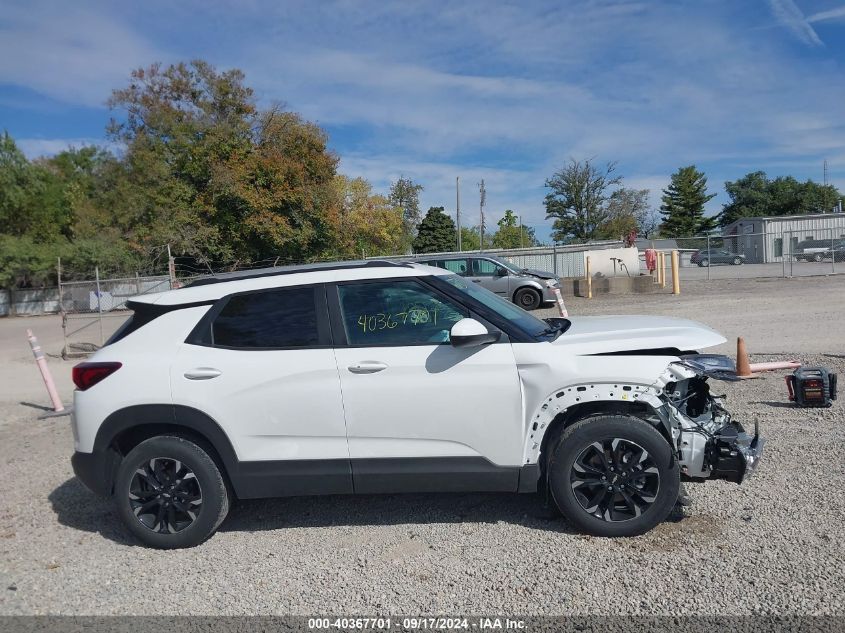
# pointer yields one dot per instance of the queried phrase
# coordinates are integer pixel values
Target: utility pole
(825, 185)
(458, 208)
(520, 232)
(482, 200)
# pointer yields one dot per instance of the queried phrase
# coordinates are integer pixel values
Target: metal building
(771, 239)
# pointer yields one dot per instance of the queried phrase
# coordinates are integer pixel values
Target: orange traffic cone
(743, 366)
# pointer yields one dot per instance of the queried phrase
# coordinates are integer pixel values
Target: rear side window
(286, 317)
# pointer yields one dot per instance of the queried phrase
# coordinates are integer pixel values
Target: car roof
(213, 287)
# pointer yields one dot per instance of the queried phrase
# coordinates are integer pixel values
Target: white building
(769, 239)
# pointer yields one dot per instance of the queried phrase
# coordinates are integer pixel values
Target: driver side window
(484, 268)
(396, 313)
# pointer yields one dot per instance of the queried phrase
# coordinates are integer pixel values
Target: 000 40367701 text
(412, 316)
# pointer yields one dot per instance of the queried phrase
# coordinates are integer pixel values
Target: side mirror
(471, 333)
(501, 272)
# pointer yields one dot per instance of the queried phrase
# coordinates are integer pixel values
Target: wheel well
(129, 438)
(584, 410)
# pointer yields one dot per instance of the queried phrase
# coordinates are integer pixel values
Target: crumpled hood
(603, 334)
(542, 274)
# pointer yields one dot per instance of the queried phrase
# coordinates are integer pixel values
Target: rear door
(262, 366)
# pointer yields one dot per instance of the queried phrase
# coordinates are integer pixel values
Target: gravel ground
(775, 545)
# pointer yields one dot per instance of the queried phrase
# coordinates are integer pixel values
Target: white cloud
(68, 52)
(788, 13)
(830, 14)
(37, 147)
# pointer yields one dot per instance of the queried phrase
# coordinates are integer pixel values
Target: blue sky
(505, 91)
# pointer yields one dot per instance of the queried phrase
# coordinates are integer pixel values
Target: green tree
(215, 176)
(627, 210)
(405, 194)
(436, 232)
(511, 234)
(755, 195)
(369, 224)
(470, 238)
(577, 199)
(683, 204)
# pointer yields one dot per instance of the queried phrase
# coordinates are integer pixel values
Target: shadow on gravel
(78, 508)
(776, 405)
(379, 510)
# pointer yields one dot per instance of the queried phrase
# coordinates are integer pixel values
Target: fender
(567, 397)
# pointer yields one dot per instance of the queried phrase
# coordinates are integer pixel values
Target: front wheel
(170, 493)
(527, 298)
(704, 263)
(613, 476)
(737, 261)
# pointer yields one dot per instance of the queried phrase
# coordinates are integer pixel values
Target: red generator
(812, 387)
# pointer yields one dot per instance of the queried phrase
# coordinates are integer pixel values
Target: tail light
(86, 375)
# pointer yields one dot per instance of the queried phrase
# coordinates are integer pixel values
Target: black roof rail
(294, 269)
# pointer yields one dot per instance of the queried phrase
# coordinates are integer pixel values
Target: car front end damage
(709, 444)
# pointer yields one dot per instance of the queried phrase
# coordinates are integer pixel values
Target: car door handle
(202, 373)
(367, 367)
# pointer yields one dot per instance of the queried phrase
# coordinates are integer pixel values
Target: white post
(99, 304)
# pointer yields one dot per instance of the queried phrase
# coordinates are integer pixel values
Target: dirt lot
(774, 545)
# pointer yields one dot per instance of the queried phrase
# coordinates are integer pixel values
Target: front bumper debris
(734, 455)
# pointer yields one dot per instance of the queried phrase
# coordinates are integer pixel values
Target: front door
(261, 365)
(421, 414)
(490, 275)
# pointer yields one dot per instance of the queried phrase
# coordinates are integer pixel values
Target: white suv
(384, 377)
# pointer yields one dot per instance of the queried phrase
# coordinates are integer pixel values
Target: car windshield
(526, 322)
(503, 262)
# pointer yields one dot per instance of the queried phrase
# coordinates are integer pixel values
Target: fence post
(554, 259)
(137, 282)
(783, 252)
(589, 280)
(832, 254)
(676, 276)
(61, 307)
(99, 303)
(171, 268)
(708, 256)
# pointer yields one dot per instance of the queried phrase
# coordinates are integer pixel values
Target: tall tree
(470, 238)
(405, 194)
(436, 233)
(755, 195)
(683, 204)
(511, 234)
(627, 210)
(218, 177)
(577, 199)
(369, 224)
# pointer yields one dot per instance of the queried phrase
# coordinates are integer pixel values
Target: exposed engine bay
(708, 442)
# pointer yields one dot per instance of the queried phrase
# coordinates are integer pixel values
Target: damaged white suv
(380, 377)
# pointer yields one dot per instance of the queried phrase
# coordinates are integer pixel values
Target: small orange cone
(743, 366)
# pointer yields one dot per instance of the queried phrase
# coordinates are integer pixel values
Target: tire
(817, 257)
(737, 261)
(161, 483)
(527, 298)
(630, 508)
(704, 263)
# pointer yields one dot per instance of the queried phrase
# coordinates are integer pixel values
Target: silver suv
(527, 288)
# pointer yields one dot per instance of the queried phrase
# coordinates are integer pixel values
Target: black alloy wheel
(613, 475)
(615, 479)
(165, 495)
(170, 492)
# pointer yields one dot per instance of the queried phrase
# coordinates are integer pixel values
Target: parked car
(812, 250)
(837, 253)
(527, 288)
(716, 256)
(386, 377)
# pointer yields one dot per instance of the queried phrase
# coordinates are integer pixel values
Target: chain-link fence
(88, 308)
(785, 253)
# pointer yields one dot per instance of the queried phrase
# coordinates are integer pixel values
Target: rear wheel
(613, 476)
(703, 263)
(170, 493)
(527, 298)
(737, 261)
(817, 257)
